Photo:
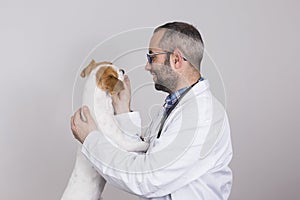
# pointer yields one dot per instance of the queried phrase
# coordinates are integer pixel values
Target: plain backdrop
(43, 44)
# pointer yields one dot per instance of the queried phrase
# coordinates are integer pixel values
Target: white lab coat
(189, 161)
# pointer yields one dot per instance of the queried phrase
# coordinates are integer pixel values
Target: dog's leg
(85, 182)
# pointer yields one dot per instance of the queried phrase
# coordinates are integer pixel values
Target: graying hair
(186, 38)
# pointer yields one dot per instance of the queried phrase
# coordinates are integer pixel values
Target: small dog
(103, 80)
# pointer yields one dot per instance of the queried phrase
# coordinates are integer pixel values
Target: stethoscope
(166, 115)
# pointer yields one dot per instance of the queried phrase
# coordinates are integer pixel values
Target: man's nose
(148, 66)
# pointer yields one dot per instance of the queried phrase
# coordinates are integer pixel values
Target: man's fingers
(127, 82)
(87, 113)
(115, 98)
(77, 116)
(73, 127)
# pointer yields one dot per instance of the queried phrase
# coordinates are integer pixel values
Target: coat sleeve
(130, 125)
(174, 162)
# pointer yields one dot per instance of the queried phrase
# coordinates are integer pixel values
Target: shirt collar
(172, 98)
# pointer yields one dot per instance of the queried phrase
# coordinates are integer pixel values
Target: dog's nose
(122, 70)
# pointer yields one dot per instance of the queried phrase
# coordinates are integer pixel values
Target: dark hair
(185, 37)
(184, 28)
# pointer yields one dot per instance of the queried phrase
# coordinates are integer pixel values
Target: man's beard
(163, 88)
(166, 84)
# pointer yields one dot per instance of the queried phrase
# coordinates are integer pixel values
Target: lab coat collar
(199, 88)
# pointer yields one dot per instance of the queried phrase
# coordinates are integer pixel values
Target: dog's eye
(122, 71)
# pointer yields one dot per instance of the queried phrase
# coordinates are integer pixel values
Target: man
(190, 145)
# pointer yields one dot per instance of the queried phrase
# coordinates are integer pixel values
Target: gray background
(254, 44)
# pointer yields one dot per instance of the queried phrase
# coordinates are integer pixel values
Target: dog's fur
(103, 80)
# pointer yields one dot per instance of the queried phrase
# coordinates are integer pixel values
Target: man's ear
(177, 59)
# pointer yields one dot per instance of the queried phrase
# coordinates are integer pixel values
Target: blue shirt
(172, 98)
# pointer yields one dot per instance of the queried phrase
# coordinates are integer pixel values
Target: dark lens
(149, 58)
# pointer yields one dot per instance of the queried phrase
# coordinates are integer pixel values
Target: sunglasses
(151, 56)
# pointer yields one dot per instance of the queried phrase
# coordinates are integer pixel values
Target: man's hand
(81, 128)
(121, 101)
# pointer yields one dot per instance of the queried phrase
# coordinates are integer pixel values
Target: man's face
(164, 77)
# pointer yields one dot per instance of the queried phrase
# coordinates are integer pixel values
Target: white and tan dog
(103, 80)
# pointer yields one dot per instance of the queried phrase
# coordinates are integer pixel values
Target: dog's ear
(87, 70)
(107, 80)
